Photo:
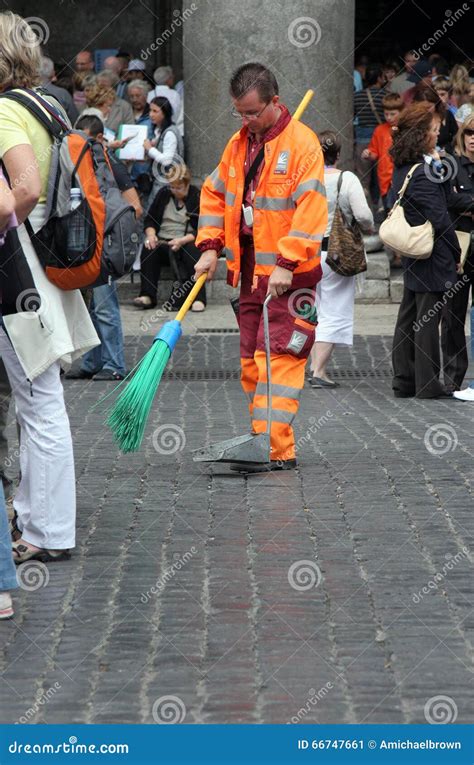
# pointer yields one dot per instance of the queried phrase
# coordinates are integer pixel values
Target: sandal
(14, 530)
(22, 553)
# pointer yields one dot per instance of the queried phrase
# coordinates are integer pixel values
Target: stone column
(307, 43)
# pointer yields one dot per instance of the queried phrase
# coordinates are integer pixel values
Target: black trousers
(152, 262)
(453, 338)
(415, 352)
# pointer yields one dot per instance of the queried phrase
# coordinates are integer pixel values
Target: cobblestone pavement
(337, 593)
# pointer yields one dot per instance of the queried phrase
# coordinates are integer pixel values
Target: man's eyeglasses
(250, 116)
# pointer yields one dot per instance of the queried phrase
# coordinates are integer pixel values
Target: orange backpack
(90, 234)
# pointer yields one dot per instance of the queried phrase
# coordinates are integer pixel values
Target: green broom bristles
(129, 415)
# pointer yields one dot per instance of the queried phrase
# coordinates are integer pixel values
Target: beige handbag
(464, 239)
(411, 241)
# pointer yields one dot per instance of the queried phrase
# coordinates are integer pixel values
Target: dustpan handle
(266, 335)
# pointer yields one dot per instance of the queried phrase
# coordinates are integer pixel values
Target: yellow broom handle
(303, 104)
(191, 297)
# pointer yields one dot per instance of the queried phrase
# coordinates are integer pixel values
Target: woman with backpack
(335, 293)
(415, 353)
(167, 148)
(36, 341)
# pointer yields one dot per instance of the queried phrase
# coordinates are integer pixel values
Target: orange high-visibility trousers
(291, 340)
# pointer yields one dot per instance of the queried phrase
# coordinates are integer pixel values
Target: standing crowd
(414, 150)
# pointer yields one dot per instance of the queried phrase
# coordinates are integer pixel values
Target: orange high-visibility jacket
(290, 208)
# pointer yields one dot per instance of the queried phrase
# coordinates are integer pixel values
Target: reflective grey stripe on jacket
(217, 181)
(211, 220)
(312, 185)
(275, 204)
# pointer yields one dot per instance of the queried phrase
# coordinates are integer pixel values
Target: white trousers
(46, 498)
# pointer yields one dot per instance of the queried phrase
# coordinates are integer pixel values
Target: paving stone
(371, 513)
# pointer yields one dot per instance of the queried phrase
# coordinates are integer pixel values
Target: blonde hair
(460, 80)
(20, 53)
(459, 147)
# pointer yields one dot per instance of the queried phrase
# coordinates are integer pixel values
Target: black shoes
(104, 374)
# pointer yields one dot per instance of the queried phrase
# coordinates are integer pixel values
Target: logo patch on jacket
(281, 166)
(297, 341)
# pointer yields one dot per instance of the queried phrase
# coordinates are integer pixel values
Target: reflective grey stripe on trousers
(278, 415)
(312, 185)
(211, 220)
(228, 253)
(287, 391)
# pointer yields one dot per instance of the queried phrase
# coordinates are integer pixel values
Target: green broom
(129, 415)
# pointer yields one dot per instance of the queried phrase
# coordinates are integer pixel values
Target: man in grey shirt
(47, 76)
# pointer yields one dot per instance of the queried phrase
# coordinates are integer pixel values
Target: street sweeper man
(264, 207)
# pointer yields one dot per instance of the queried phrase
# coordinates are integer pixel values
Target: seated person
(170, 231)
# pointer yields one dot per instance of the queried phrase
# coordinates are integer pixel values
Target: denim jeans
(105, 314)
(7, 567)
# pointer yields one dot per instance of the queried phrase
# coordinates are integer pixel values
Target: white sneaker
(464, 395)
(6, 605)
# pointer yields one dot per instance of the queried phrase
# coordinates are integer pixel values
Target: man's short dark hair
(91, 123)
(254, 77)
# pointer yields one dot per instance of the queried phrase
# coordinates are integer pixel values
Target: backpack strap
(55, 126)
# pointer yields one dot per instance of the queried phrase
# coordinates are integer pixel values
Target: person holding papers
(166, 149)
